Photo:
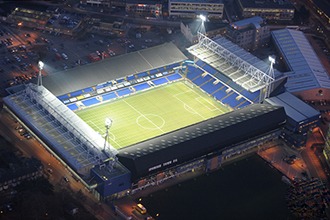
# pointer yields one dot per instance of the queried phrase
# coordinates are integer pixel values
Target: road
(32, 148)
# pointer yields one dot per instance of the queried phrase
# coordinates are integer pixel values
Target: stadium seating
(72, 106)
(90, 89)
(109, 96)
(200, 63)
(154, 71)
(193, 72)
(252, 96)
(201, 80)
(209, 87)
(99, 87)
(90, 102)
(231, 100)
(243, 104)
(160, 81)
(63, 97)
(123, 92)
(220, 94)
(172, 66)
(141, 86)
(129, 78)
(120, 80)
(140, 75)
(76, 93)
(174, 77)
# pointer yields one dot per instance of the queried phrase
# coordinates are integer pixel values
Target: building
(190, 29)
(301, 118)
(29, 18)
(106, 3)
(212, 9)
(18, 170)
(48, 21)
(250, 33)
(280, 10)
(307, 78)
(146, 8)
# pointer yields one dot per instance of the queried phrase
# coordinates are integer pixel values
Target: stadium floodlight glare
(202, 17)
(271, 59)
(41, 64)
(108, 122)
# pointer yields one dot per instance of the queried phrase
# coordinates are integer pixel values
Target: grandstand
(233, 123)
(239, 71)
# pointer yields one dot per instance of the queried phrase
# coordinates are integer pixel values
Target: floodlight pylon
(41, 66)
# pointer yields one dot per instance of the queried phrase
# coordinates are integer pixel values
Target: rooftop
(294, 107)
(307, 72)
(109, 69)
(256, 21)
(267, 4)
(199, 1)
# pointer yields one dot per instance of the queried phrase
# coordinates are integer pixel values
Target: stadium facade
(220, 68)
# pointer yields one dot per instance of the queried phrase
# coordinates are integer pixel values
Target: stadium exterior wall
(196, 147)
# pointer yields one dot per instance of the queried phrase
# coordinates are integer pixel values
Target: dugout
(195, 141)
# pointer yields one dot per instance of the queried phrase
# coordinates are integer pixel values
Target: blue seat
(209, 87)
(200, 80)
(209, 69)
(99, 87)
(109, 96)
(231, 100)
(154, 71)
(193, 72)
(90, 102)
(200, 63)
(120, 80)
(131, 77)
(90, 89)
(174, 77)
(142, 86)
(160, 81)
(171, 66)
(143, 74)
(76, 93)
(124, 91)
(252, 96)
(242, 105)
(72, 106)
(220, 94)
(63, 97)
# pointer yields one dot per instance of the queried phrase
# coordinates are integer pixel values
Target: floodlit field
(152, 113)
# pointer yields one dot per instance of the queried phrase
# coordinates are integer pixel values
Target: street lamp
(41, 66)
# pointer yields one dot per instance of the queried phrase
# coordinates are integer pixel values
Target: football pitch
(151, 113)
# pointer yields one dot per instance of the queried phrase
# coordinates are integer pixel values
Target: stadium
(139, 119)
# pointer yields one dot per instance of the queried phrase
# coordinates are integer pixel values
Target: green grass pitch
(151, 113)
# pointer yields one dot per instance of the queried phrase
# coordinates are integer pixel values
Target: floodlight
(271, 59)
(108, 122)
(202, 17)
(41, 64)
